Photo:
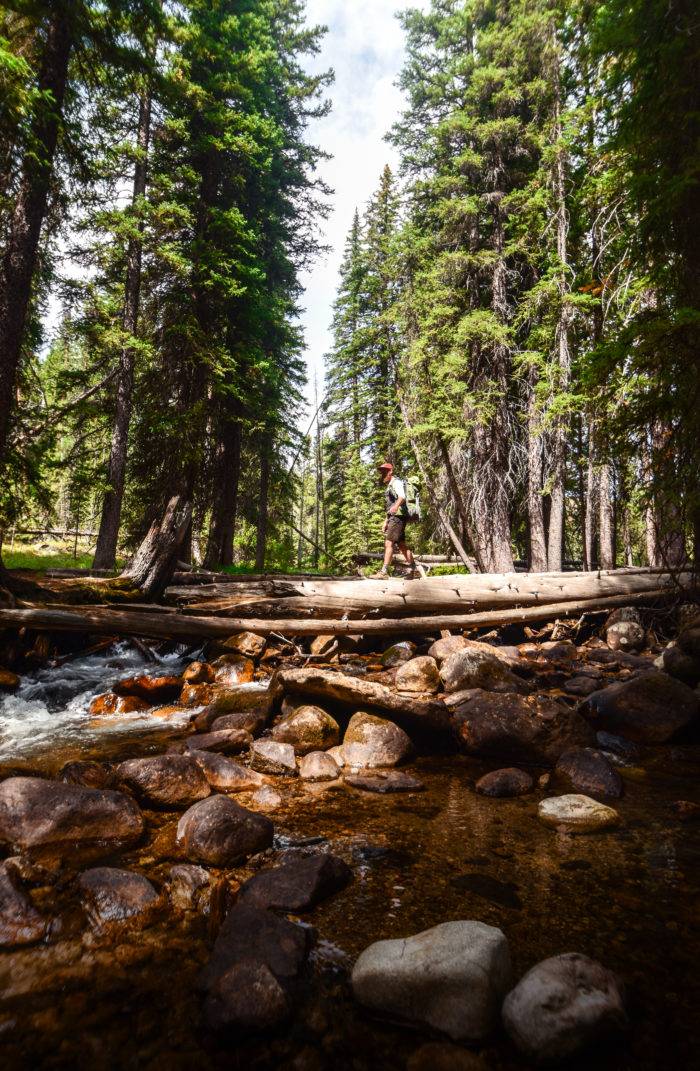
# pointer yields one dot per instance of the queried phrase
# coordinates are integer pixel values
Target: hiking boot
(381, 575)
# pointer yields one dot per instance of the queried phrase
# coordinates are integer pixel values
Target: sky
(364, 45)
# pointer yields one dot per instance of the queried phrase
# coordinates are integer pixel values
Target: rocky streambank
(449, 852)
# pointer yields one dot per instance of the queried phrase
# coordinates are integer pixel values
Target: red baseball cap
(386, 466)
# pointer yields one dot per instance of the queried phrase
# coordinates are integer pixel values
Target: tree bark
(227, 469)
(106, 550)
(154, 563)
(261, 537)
(19, 260)
(537, 540)
(606, 524)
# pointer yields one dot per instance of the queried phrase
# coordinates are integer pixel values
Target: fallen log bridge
(165, 624)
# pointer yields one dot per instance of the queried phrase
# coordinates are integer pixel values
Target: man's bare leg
(388, 554)
(408, 555)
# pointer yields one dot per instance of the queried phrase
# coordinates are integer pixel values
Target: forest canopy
(517, 320)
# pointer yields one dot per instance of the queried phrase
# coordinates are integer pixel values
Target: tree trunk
(537, 541)
(153, 565)
(227, 471)
(606, 523)
(261, 539)
(106, 550)
(19, 259)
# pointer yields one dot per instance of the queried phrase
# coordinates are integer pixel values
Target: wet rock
(528, 728)
(308, 728)
(446, 646)
(686, 810)
(249, 644)
(318, 766)
(618, 746)
(625, 636)
(478, 666)
(576, 814)
(398, 653)
(252, 721)
(298, 885)
(189, 887)
(109, 703)
(169, 780)
(505, 783)
(50, 817)
(677, 663)
(196, 695)
(110, 895)
(452, 977)
(88, 774)
(442, 1056)
(587, 771)
(419, 675)
(649, 709)
(153, 689)
(256, 961)
(223, 741)
(234, 700)
(370, 741)
(273, 757)
(390, 781)
(199, 673)
(563, 1005)
(218, 832)
(20, 922)
(225, 775)
(581, 685)
(9, 681)
(503, 893)
(266, 799)
(232, 669)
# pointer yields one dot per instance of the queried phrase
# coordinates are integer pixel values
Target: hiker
(395, 523)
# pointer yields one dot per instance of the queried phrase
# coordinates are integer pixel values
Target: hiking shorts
(395, 529)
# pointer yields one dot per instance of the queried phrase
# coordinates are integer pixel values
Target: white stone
(318, 766)
(576, 814)
(452, 977)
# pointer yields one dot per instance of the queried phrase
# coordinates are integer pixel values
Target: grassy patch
(51, 555)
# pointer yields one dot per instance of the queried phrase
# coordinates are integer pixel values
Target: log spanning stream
(130, 997)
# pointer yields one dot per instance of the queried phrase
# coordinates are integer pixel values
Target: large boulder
(55, 819)
(299, 884)
(256, 960)
(649, 709)
(478, 666)
(527, 728)
(111, 896)
(153, 689)
(370, 741)
(586, 770)
(273, 757)
(505, 783)
(169, 780)
(576, 813)
(563, 1005)
(308, 728)
(419, 675)
(225, 775)
(318, 766)
(218, 832)
(20, 922)
(452, 978)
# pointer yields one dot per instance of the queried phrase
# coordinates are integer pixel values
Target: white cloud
(365, 46)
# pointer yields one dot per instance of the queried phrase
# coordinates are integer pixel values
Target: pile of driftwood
(200, 606)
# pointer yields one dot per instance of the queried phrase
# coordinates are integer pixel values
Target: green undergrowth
(49, 556)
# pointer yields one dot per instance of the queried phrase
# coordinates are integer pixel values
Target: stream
(627, 897)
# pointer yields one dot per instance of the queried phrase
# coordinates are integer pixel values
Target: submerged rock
(384, 782)
(266, 799)
(505, 783)
(232, 669)
(110, 895)
(153, 689)
(649, 709)
(299, 884)
(196, 695)
(419, 675)
(318, 766)
(109, 703)
(50, 817)
(218, 832)
(189, 887)
(563, 1005)
(272, 757)
(370, 741)
(588, 771)
(576, 814)
(20, 922)
(452, 977)
(88, 774)
(256, 960)
(529, 728)
(199, 673)
(170, 780)
(308, 728)
(225, 775)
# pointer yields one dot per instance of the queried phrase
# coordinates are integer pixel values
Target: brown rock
(20, 922)
(225, 775)
(298, 885)
(153, 689)
(587, 771)
(249, 644)
(189, 887)
(446, 646)
(170, 780)
(196, 695)
(443, 1056)
(218, 832)
(111, 896)
(625, 636)
(109, 703)
(252, 721)
(323, 644)
(649, 709)
(686, 810)
(370, 741)
(384, 782)
(232, 669)
(677, 663)
(581, 685)
(505, 783)
(273, 757)
(49, 817)
(529, 728)
(9, 681)
(308, 728)
(199, 673)
(418, 675)
(88, 774)
(478, 666)
(225, 741)
(398, 653)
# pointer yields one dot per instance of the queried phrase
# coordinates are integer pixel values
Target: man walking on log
(395, 523)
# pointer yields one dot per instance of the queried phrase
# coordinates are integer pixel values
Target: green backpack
(412, 499)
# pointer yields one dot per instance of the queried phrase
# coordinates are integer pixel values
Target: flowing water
(627, 897)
